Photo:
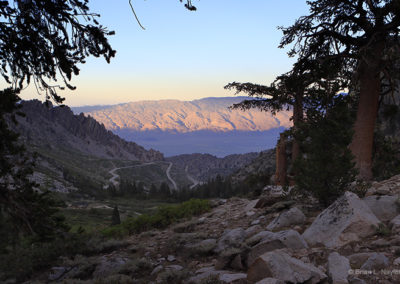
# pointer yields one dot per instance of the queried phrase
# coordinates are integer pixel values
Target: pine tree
(326, 168)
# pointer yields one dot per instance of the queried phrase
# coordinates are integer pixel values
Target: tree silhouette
(115, 220)
(363, 35)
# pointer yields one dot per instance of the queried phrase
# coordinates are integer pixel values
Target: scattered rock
(250, 213)
(237, 263)
(376, 261)
(358, 259)
(252, 205)
(338, 268)
(174, 267)
(171, 258)
(347, 219)
(157, 270)
(270, 281)
(57, 272)
(279, 265)
(252, 230)
(356, 280)
(201, 220)
(383, 207)
(108, 266)
(203, 247)
(280, 206)
(395, 224)
(288, 218)
(380, 243)
(286, 239)
(233, 278)
(230, 238)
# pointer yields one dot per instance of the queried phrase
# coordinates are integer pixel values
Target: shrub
(382, 230)
(164, 216)
(26, 258)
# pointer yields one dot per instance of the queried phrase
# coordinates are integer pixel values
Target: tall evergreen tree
(363, 35)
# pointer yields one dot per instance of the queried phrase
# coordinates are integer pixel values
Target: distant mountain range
(183, 127)
(185, 116)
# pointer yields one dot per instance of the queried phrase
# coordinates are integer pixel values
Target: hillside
(205, 166)
(58, 127)
(76, 152)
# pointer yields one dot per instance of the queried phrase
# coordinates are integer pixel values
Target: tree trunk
(281, 165)
(297, 117)
(363, 138)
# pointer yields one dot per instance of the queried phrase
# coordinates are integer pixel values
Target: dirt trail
(115, 175)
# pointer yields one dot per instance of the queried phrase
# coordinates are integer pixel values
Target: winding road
(194, 181)
(169, 176)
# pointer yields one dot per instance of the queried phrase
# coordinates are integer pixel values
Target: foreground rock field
(271, 240)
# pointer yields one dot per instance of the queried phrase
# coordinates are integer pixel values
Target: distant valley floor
(219, 144)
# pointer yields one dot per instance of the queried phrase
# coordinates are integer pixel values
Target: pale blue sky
(181, 54)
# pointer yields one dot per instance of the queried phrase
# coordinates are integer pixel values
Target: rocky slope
(205, 166)
(58, 127)
(185, 116)
(274, 239)
(262, 165)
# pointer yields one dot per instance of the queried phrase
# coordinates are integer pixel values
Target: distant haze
(200, 126)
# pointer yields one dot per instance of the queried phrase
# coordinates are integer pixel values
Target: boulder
(223, 276)
(279, 265)
(396, 261)
(358, 259)
(376, 261)
(383, 207)
(263, 235)
(202, 248)
(395, 224)
(233, 278)
(347, 219)
(286, 239)
(108, 266)
(270, 280)
(338, 268)
(252, 230)
(288, 218)
(230, 238)
(251, 205)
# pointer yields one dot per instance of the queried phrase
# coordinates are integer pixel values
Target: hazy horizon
(183, 55)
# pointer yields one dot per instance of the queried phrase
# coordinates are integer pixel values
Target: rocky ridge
(348, 242)
(58, 127)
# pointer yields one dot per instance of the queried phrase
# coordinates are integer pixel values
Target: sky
(181, 54)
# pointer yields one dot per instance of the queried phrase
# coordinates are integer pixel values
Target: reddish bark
(297, 118)
(281, 163)
(362, 143)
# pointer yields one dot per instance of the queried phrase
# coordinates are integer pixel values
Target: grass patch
(164, 216)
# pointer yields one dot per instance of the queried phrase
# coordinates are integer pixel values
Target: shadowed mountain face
(58, 127)
(200, 126)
